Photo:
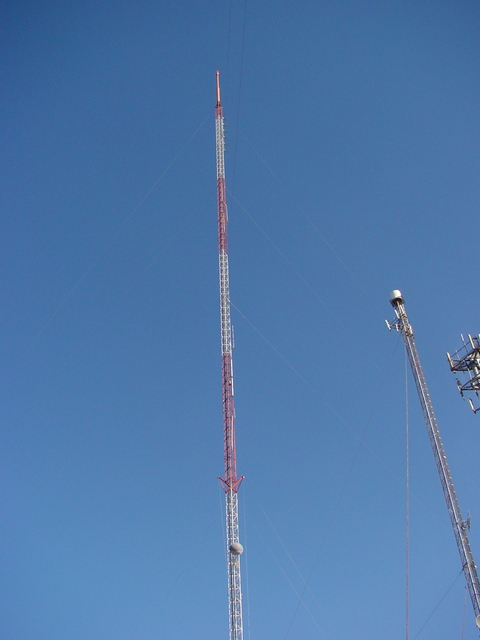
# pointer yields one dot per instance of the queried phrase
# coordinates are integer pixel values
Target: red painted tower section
(230, 480)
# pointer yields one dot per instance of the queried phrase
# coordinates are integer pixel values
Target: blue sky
(352, 169)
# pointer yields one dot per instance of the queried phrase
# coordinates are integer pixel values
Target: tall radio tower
(230, 481)
(460, 526)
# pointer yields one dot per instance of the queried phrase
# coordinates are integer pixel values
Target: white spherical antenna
(236, 549)
(396, 294)
(477, 621)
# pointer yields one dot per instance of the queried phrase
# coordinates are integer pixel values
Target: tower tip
(395, 297)
(218, 88)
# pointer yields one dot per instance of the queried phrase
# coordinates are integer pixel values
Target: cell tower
(467, 360)
(230, 481)
(460, 526)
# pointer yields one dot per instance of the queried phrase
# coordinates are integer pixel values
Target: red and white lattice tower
(230, 481)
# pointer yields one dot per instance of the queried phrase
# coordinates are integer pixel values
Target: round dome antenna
(396, 296)
(236, 549)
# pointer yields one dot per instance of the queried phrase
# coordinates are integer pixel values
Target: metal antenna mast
(230, 481)
(460, 526)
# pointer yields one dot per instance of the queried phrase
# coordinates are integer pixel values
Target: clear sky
(353, 169)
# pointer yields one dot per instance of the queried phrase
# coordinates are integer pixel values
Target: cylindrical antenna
(218, 89)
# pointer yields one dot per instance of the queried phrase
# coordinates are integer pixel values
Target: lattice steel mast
(230, 480)
(460, 526)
